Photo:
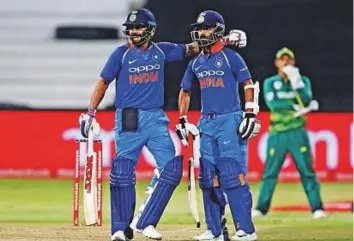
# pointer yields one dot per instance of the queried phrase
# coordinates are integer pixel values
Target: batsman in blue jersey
(223, 126)
(138, 68)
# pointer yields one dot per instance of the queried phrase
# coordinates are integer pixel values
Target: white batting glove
(88, 122)
(249, 126)
(294, 76)
(237, 38)
(184, 128)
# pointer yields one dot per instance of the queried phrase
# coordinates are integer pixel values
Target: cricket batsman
(288, 95)
(223, 126)
(138, 68)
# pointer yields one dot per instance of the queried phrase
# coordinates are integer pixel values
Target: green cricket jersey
(280, 98)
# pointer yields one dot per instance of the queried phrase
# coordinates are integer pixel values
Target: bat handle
(90, 143)
(196, 149)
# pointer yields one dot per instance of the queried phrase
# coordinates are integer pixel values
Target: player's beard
(136, 39)
(139, 40)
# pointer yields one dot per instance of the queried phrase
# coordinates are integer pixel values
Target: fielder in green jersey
(288, 95)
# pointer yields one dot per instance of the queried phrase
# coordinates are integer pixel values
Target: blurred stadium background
(51, 54)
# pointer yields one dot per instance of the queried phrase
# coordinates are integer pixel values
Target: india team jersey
(139, 73)
(219, 75)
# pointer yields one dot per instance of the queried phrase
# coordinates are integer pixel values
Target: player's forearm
(251, 97)
(183, 102)
(249, 94)
(98, 94)
(304, 95)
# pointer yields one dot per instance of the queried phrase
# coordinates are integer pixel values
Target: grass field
(42, 210)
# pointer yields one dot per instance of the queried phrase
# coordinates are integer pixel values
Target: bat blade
(90, 186)
(192, 194)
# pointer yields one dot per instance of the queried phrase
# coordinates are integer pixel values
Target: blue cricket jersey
(219, 75)
(139, 73)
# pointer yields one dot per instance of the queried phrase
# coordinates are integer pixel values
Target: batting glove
(237, 38)
(249, 126)
(293, 74)
(184, 128)
(88, 122)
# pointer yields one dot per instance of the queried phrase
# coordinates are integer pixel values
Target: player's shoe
(318, 214)
(119, 236)
(208, 236)
(148, 191)
(242, 235)
(151, 233)
(256, 213)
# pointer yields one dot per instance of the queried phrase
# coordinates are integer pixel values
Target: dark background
(320, 32)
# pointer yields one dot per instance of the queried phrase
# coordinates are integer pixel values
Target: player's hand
(184, 128)
(294, 76)
(88, 122)
(236, 38)
(249, 126)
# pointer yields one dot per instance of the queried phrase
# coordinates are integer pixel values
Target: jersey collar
(217, 47)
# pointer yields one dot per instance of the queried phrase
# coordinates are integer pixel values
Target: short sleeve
(188, 77)
(113, 65)
(239, 67)
(173, 52)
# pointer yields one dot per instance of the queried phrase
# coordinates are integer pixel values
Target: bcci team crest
(155, 57)
(200, 19)
(218, 63)
(132, 17)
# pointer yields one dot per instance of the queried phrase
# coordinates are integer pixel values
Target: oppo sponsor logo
(145, 68)
(209, 73)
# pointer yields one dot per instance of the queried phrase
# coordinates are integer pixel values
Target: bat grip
(196, 148)
(90, 143)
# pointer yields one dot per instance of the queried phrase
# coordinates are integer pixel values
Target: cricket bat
(192, 194)
(90, 184)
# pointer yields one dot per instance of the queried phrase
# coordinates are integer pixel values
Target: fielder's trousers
(297, 143)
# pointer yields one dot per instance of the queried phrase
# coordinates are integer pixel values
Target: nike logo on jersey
(226, 142)
(196, 68)
(130, 62)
